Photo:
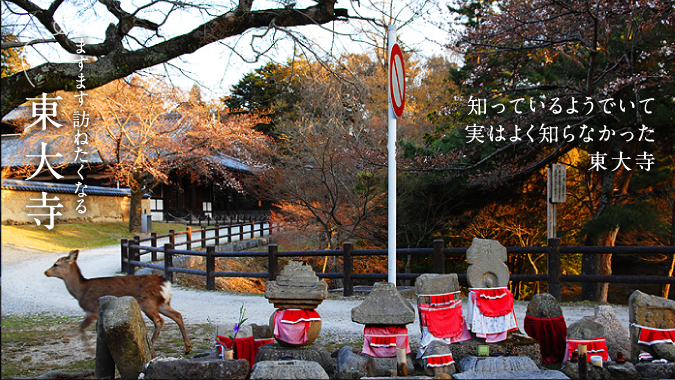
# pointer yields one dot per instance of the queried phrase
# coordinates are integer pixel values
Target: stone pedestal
(516, 345)
(297, 287)
(312, 353)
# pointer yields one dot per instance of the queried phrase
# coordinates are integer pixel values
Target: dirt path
(27, 290)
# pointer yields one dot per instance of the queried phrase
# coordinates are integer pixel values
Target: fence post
(252, 229)
(241, 231)
(439, 258)
(554, 268)
(168, 262)
(229, 233)
(172, 238)
(210, 268)
(273, 261)
(124, 248)
(203, 237)
(134, 254)
(153, 242)
(188, 237)
(348, 263)
(217, 232)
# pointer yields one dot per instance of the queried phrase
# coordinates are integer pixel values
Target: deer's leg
(166, 309)
(89, 318)
(157, 320)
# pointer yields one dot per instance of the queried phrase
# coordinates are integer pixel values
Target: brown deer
(153, 293)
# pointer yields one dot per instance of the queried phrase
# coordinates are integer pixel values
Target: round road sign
(396, 80)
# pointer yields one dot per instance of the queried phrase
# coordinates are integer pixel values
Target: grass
(68, 236)
(38, 344)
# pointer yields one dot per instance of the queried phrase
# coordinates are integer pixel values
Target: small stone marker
(645, 312)
(487, 268)
(616, 335)
(384, 306)
(126, 337)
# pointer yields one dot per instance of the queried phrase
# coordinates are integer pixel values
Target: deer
(153, 293)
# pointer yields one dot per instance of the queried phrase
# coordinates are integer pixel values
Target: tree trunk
(606, 263)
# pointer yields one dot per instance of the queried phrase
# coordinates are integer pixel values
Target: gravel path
(26, 290)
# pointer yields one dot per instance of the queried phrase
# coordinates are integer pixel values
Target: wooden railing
(132, 251)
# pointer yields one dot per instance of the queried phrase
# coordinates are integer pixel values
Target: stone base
(539, 374)
(312, 353)
(609, 370)
(650, 370)
(172, 368)
(288, 369)
(387, 366)
(516, 345)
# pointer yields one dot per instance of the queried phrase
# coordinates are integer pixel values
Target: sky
(216, 67)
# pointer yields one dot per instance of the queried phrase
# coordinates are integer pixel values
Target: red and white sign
(396, 80)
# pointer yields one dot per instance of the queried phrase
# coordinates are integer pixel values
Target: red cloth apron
(245, 348)
(439, 360)
(291, 325)
(493, 302)
(593, 347)
(550, 333)
(651, 335)
(443, 322)
(382, 342)
(442, 299)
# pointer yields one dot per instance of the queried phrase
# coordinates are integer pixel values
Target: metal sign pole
(391, 150)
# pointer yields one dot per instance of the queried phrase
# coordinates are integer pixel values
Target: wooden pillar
(348, 263)
(554, 268)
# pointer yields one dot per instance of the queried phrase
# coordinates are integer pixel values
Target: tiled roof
(64, 188)
(14, 153)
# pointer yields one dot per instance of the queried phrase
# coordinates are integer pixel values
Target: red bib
(291, 325)
(493, 302)
(439, 360)
(593, 347)
(650, 335)
(443, 322)
(382, 342)
(550, 333)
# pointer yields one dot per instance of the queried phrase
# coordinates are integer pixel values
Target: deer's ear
(72, 256)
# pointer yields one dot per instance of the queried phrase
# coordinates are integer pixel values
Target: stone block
(487, 268)
(585, 328)
(571, 370)
(173, 368)
(387, 366)
(543, 305)
(650, 370)
(296, 286)
(352, 365)
(625, 371)
(288, 369)
(313, 353)
(384, 306)
(616, 335)
(650, 311)
(497, 364)
(538, 374)
(125, 334)
(432, 283)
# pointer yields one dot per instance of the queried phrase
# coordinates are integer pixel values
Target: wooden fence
(132, 251)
